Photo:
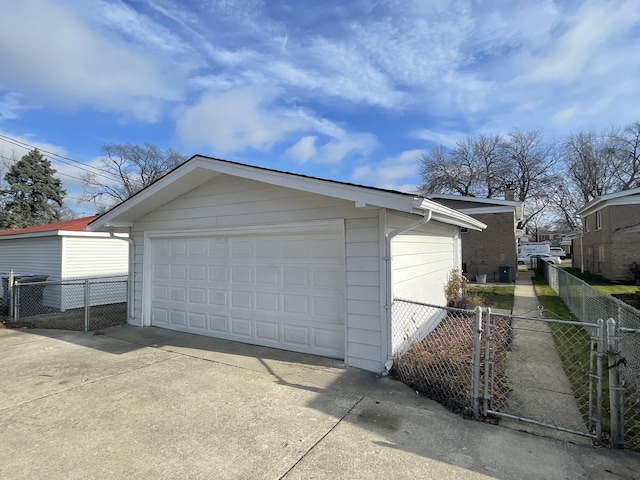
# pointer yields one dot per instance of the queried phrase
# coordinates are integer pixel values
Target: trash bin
(31, 295)
(504, 274)
(5, 290)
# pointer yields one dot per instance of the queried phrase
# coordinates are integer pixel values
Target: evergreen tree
(33, 196)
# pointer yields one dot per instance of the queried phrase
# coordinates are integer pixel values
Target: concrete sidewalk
(539, 387)
(151, 403)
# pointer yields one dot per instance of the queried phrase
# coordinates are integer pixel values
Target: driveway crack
(322, 438)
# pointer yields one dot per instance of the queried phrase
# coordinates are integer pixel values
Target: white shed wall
(39, 256)
(88, 257)
(92, 257)
(230, 201)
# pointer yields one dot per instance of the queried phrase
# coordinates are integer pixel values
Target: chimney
(509, 192)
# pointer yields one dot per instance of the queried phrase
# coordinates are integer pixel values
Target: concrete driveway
(150, 403)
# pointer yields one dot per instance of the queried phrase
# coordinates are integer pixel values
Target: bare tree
(529, 163)
(626, 146)
(472, 168)
(125, 169)
(590, 161)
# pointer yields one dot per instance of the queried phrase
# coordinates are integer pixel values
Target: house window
(601, 253)
(586, 224)
(598, 220)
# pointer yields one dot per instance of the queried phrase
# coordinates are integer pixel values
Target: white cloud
(73, 66)
(442, 137)
(401, 172)
(352, 144)
(303, 150)
(237, 120)
(592, 33)
(250, 118)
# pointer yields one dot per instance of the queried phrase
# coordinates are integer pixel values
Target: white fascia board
(626, 197)
(200, 170)
(451, 216)
(55, 233)
(490, 201)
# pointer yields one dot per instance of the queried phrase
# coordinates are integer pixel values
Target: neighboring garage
(284, 260)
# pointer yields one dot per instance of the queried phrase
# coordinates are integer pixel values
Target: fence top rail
(70, 282)
(554, 320)
(439, 307)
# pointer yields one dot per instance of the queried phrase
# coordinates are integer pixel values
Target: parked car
(557, 252)
(547, 258)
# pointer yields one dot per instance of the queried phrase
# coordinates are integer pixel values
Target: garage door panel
(268, 331)
(267, 276)
(178, 317)
(219, 324)
(296, 335)
(219, 273)
(295, 277)
(197, 295)
(218, 298)
(160, 315)
(197, 273)
(198, 321)
(267, 302)
(178, 272)
(242, 274)
(241, 327)
(282, 291)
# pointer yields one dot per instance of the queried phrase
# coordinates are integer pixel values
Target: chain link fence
(546, 372)
(587, 304)
(84, 305)
(433, 351)
(552, 375)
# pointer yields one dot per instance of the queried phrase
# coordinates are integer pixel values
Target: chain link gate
(550, 373)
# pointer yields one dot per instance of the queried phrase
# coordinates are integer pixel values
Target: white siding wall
(228, 201)
(91, 257)
(85, 257)
(421, 262)
(40, 256)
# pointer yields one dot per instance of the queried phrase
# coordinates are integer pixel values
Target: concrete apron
(150, 403)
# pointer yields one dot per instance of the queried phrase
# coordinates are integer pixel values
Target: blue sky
(353, 91)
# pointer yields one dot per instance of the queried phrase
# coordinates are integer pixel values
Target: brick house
(610, 240)
(495, 248)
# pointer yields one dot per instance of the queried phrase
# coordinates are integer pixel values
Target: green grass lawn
(494, 296)
(596, 281)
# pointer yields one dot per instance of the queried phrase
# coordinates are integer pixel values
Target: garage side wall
(422, 260)
(232, 202)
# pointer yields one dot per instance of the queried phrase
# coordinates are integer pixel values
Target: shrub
(456, 288)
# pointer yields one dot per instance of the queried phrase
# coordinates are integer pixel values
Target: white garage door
(284, 291)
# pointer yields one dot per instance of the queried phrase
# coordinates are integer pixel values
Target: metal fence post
(600, 348)
(487, 361)
(477, 348)
(86, 305)
(15, 302)
(615, 390)
(10, 295)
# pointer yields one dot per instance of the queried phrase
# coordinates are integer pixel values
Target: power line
(61, 158)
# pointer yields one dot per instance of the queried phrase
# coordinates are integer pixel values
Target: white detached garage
(283, 260)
